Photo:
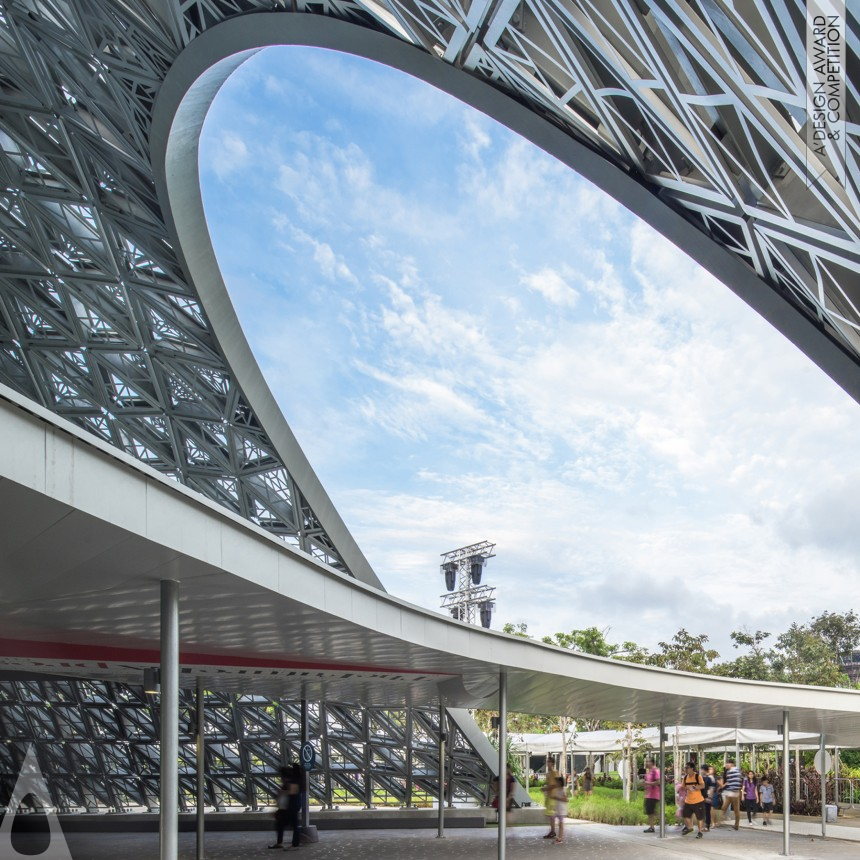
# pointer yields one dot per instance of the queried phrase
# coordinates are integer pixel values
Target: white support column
(528, 768)
(786, 787)
(440, 832)
(306, 736)
(169, 746)
(823, 774)
(738, 753)
(503, 762)
(662, 781)
(201, 774)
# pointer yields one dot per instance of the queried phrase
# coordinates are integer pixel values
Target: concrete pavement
(583, 840)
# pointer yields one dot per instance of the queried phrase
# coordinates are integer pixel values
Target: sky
(471, 342)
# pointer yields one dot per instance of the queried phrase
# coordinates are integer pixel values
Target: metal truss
(700, 102)
(97, 746)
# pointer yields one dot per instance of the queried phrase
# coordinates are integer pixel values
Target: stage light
(476, 568)
(450, 571)
(486, 613)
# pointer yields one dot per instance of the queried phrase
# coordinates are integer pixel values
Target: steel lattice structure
(96, 743)
(692, 110)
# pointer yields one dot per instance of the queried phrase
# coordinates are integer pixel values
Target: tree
(633, 653)
(801, 656)
(518, 629)
(589, 640)
(839, 632)
(686, 653)
(754, 666)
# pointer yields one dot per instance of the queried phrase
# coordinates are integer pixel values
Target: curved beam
(264, 617)
(194, 80)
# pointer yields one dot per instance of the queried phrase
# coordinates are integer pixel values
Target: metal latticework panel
(97, 321)
(97, 746)
(701, 102)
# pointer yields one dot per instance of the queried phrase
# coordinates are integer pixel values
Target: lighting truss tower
(468, 600)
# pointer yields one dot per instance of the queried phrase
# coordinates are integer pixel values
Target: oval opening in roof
(471, 341)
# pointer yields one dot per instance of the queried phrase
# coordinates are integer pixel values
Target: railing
(847, 790)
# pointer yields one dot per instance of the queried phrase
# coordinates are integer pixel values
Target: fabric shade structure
(649, 738)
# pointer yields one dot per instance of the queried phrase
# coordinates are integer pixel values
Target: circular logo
(308, 756)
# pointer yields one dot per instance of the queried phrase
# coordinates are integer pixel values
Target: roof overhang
(88, 533)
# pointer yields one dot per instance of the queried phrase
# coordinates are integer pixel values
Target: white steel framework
(692, 112)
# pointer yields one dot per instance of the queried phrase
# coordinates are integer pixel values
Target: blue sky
(473, 343)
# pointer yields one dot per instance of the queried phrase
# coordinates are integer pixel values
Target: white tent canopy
(687, 736)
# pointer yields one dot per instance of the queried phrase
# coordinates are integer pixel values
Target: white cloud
(330, 264)
(647, 452)
(552, 286)
(229, 155)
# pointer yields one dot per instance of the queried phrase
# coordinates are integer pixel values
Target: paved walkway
(584, 841)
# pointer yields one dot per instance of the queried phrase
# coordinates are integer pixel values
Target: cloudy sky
(473, 343)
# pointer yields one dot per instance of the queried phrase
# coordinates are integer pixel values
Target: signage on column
(828, 762)
(308, 756)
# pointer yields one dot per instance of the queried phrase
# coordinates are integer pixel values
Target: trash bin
(831, 810)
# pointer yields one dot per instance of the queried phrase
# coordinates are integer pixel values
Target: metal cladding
(700, 104)
(97, 747)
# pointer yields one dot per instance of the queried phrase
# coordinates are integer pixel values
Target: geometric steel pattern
(96, 744)
(701, 102)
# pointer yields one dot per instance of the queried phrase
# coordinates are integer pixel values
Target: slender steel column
(662, 781)
(786, 787)
(201, 775)
(440, 832)
(527, 769)
(503, 762)
(368, 777)
(797, 773)
(169, 746)
(823, 774)
(306, 776)
(408, 803)
(324, 748)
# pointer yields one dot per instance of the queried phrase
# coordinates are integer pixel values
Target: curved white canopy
(88, 533)
(610, 741)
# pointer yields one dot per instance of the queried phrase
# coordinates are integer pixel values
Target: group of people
(705, 796)
(291, 796)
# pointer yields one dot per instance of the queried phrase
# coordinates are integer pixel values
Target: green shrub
(606, 806)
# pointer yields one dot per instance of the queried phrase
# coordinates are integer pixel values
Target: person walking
(558, 798)
(732, 783)
(694, 800)
(652, 792)
(708, 793)
(766, 798)
(548, 786)
(680, 795)
(288, 803)
(751, 800)
(587, 782)
(717, 800)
